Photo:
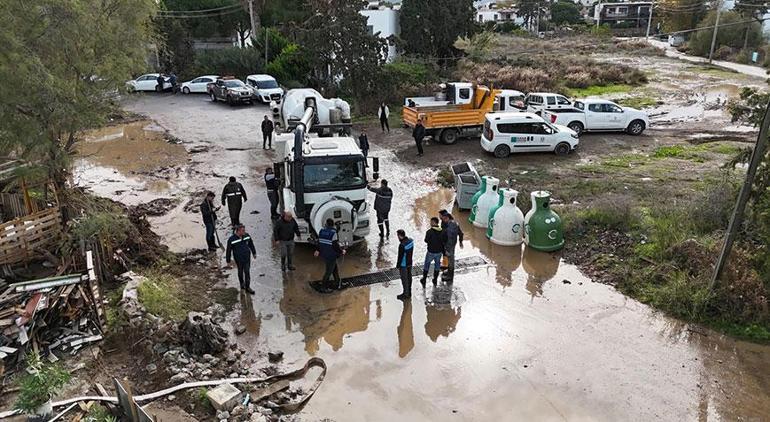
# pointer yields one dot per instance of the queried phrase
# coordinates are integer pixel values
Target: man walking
(404, 263)
(241, 248)
(329, 249)
(234, 195)
(271, 182)
(209, 214)
(173, 81)
(418, 133)
(363, 143)
(284, 231)
(382, 201)
(160, 81)
(267, 133)
(453, 234)
(383, 114)
(435, 238)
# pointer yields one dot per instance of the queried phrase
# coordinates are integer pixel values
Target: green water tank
(542, 226)
(476, 197)
(492, 212)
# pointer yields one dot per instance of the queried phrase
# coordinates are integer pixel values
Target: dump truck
(456, 112)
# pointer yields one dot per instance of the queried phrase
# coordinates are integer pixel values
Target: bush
(731, 38)
(612, 212)
(276, 42)
(290, 67)
(159, 294)
(39, 383)
(111, 227)
(238, 62)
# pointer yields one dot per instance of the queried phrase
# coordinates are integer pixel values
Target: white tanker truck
(323, 177)
(332, 116)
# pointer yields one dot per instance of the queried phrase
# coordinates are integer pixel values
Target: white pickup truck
(599, 115)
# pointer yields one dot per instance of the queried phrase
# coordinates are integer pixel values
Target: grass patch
(161, 296)
(596, 90)
(638, 102)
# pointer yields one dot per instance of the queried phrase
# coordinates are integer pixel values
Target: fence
(21, 238)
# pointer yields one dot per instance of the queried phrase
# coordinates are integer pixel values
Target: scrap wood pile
(51, 316)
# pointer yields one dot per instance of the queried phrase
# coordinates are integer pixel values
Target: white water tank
(508, 221)
(487, 200)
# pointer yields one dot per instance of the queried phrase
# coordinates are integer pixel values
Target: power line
(200, 10)
(212, 15)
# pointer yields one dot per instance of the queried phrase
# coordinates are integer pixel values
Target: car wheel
(576, 127)
(502, 151)
(185, 90)
(449, 136)
(230, 101)
(213, 97)
(635, 128)
(562, 149)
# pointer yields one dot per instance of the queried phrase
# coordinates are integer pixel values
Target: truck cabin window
(233, 83)
(337, 175)
(465, 93)
(562, 101)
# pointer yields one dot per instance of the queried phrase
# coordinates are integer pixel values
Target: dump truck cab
(454, 93)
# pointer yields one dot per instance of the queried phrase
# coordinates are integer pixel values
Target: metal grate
(390, 275)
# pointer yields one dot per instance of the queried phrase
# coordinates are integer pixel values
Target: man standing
(159, 82)
(174, 86)
(404, 264)
(271, 182)
(435, 238)
(235, 196)
(267, 133)
(383, 114)
(453, 234)
(284, 231)
(363, 143)
(329, 249)
(382, 205)
(241, 248)
(208, 212)
(418, 133)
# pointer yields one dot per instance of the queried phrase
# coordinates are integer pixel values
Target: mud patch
(156, 207)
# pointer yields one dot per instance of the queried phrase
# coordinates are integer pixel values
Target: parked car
(509, 132)
(536, 102)
(147, 82)
(600, 115)
(266, 88)
(233, 91)
(198, 85)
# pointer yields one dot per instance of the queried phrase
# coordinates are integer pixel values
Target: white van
(536, 102)
(265, 87)
(505, 133)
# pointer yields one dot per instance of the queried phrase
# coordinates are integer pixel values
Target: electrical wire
(199, 11)
(211, 15)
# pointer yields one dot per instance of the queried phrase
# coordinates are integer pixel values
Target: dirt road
(525, 338)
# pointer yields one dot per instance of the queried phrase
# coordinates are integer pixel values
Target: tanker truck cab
(326, 179)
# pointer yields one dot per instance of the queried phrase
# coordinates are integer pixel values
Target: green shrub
(160, 295)
(290, 67)
(108, 226)
(601, 31)
(39, 383)
(276, 42)
(99, 413)
(730, 38)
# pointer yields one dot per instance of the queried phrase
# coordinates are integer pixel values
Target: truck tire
(213, 97)
(636, 127)
(502, 151)
(562, 149)
(449, 136)
(576, 127)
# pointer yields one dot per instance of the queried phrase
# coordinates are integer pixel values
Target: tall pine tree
(430, 27)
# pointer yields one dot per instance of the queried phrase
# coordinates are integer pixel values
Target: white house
(383, 20)
(491, 12)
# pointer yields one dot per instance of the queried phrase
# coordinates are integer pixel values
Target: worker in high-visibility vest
(234, 195)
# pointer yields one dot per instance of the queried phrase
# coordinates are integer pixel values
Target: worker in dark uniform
(160, 81)
(267, 133)
(271, 182)
(284, 231)
(329, 249)
(404, 264)
(454, 235)
(241, 248)
(435, 238)
(363, 143)
(235, 196)
(209, 214)
(418, 133)
(382, 206)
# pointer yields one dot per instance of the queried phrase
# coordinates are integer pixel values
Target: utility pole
(266, 47)
(743, 198)
(716, 27)
(649, 19)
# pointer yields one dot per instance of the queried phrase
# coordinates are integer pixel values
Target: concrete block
(224, 397)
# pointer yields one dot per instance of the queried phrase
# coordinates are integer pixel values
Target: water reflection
(441, 315)
(248, 319)
(405, 330)
(540, 267)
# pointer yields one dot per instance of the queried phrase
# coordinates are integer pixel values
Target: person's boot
(382, 234)
(387, 228)
(283, 264)
(424, 279)
(435, 277)
(289, 264)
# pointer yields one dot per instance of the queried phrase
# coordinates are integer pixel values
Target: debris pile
(54, 317)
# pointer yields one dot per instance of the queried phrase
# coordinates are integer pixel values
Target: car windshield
(337, 175)
(266, 84)
(233, 84)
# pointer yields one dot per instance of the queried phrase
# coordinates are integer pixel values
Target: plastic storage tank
(507, 224)
(542, 227)
(486, 201)
(476, 197)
